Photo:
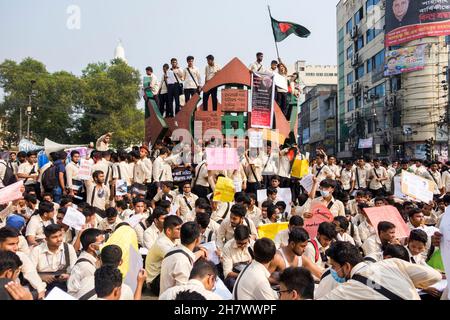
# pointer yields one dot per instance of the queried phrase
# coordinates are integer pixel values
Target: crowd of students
(176, 220)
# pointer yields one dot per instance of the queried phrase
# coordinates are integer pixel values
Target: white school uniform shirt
(176, 268)
(253, 284)
(46, 261)
(80, 271)
(193, 285)
(396, 275)
(210, 71)
(188, 81)
(257, 67)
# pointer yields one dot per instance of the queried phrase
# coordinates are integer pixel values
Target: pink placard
(11, 192)
(222, 158)
(320, 214)
(390, 214)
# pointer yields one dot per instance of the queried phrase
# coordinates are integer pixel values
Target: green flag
(282, 29)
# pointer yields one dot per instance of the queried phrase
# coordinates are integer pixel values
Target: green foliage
(70, 109)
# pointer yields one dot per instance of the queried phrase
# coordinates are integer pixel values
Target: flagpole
(276, 45)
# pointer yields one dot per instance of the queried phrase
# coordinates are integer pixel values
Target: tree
(52, 105)
(108, 103)
(70, 109)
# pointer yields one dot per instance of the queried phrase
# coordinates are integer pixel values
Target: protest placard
(255, 139)
(445, 244)
(74, 218)
(320, 213)
(270, 230)
(398, 188)
(299, 168)
(58, 294)
(135, 265)
(307, 182)
(417, 187)
(222, 158)
(12, 192)
(224, 190)
(390, 214)
(85, 171)
(121, 187)
(212, 254)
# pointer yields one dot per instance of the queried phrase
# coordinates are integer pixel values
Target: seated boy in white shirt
(417, 243)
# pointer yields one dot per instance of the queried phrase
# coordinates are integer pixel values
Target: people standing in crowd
(192, 80)
(175, 78)
(211, 70)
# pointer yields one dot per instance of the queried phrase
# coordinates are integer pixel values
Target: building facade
(397, 113)
(317, 119)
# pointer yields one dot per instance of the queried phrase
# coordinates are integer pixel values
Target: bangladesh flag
(282, 29)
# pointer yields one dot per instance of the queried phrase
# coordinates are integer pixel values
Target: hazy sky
(153, 31)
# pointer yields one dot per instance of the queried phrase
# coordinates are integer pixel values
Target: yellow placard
(224, 190)
(270, 230)
(124, 237)
(299, 168)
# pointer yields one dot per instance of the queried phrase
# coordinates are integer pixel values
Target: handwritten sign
(271, 230)
(445, 243)
(121, 187)
(390, 214)
(307, 182)
(222, 158)
(417, 187)
(320, 214)
(255, 139)
(224, 190)
(74, 218)
(85, 171)
(11, 192)
(135, 265)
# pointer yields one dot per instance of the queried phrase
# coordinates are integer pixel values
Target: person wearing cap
(326, 189)
(210, 71)
(18, 223)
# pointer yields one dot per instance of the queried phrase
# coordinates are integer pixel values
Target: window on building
(370, 4)
(379, 59)
(349, 26)
(359, 15)
(359, 72)
(369, 126)
(369, 65)
(357, 102)
(350, 105)
(377, 92)
(360, 43)
(349, 78)
(396, 83)
(397, 119)
(349, 52)
(370, 35)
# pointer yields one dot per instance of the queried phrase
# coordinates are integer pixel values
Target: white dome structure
(119, 53)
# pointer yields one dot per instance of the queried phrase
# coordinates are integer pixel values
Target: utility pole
(20, 122)
(32, 92)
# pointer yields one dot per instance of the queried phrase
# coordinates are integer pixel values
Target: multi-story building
(399, 113)
(317, 119)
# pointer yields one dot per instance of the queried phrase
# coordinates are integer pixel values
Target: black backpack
(49, 179)
(9, 177)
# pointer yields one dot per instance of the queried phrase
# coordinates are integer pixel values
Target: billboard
(365, 143)
(405, 60)
(408, 20)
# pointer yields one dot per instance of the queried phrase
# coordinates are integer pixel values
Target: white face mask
(325, 193)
